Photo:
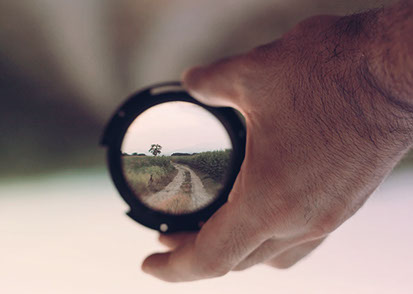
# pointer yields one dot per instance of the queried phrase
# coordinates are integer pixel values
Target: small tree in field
(155, 149)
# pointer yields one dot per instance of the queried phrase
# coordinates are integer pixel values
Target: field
(147, 175)
(177, 183)
(214, 164)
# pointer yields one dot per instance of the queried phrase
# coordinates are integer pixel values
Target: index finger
(219, 83)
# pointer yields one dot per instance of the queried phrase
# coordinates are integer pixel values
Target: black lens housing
(113, 137)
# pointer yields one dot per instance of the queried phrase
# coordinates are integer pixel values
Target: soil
(184, 194)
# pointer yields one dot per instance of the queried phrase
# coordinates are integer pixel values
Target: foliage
(155, 149)
(213, 163)
(147, 175)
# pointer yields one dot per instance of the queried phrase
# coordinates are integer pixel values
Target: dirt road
(185, 193)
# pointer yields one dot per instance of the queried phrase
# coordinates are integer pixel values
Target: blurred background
(65, 66)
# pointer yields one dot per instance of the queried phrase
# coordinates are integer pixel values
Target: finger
(224, 240)
(265, 251)
(172, 241)
(217, 84)
(293, 255)
(286, 250)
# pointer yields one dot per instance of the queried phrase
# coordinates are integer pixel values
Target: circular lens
(175, 157)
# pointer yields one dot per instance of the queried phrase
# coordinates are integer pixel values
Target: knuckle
(324, 225)
(212, 268)
(240, 267)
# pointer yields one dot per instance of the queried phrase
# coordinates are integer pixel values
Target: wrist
(388, 67)
(372, 103)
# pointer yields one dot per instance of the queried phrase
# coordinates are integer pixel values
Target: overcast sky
(177, 127)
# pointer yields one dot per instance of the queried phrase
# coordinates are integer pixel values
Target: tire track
(173, 199)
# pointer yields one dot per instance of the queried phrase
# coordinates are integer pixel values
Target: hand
(320, 139)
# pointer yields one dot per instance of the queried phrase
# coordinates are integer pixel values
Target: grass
(186, 185)
(211, 167)
(148, 175)
(213, 164)
(176, 204)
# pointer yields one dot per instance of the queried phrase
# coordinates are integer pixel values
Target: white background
(69, 234)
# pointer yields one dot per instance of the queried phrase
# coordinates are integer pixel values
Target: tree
(180, 154)
(155, 149)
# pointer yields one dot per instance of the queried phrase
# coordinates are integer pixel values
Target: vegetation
(180, 154)
(155, 149)
(146, 175)
(176, 204)
(186, 185)
(211, 163)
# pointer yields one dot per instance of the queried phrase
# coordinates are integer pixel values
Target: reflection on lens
(175, 157)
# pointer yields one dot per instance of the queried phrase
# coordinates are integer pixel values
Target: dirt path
(185, 193)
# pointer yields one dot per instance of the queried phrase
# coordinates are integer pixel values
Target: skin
(329, 112)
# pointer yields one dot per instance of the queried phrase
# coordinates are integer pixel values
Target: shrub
(139, 170)
(213, 163)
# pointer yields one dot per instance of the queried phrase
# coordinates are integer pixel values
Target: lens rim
(113, 138)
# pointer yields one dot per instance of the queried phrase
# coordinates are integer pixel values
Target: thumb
(217, 84)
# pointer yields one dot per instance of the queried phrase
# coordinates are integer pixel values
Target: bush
(139, 170)
(213, 163)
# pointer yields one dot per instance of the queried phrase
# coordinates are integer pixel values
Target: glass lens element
(175, 157)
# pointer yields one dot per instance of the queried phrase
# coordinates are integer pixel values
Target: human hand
(321, 136)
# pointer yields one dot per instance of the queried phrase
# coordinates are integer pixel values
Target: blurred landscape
(65, 66)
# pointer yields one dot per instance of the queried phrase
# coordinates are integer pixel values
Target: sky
(177, 127)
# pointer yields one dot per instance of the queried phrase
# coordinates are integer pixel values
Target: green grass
(138, 171)
(210, 166)
(212, 163)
